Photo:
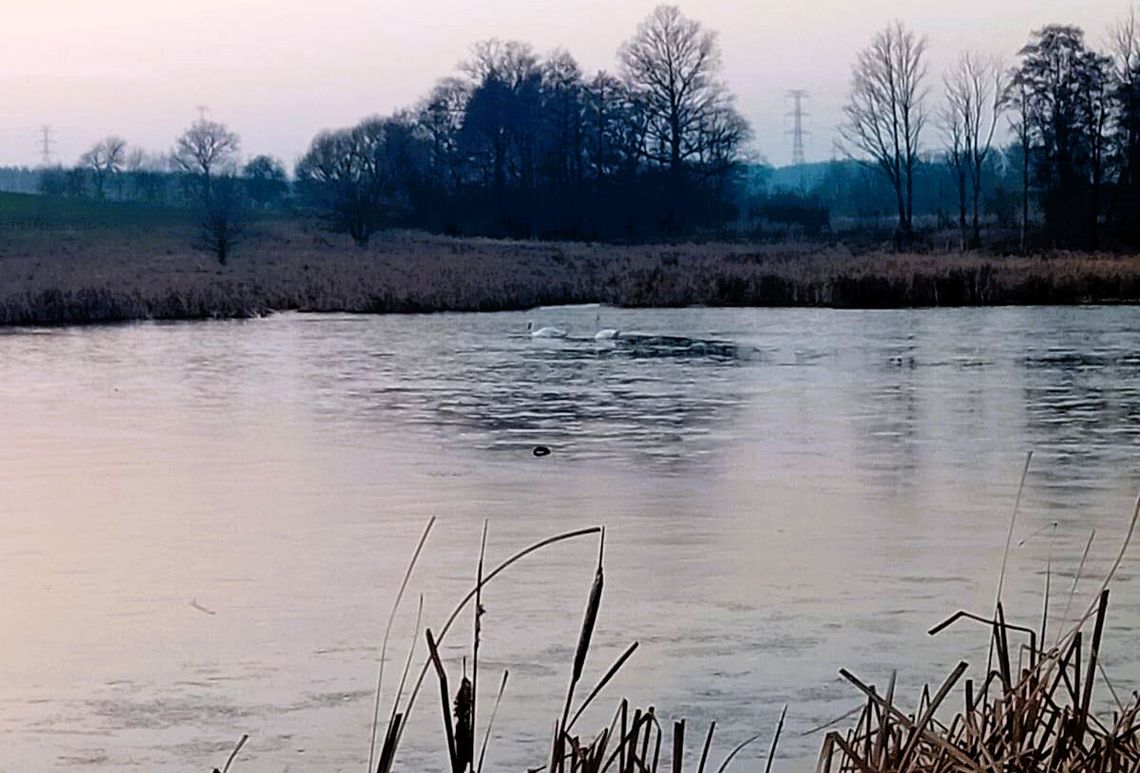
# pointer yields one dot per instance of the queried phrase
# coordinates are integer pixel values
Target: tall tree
(206, 153)
(954, 131)
(1019, 124)
(205, 148)
(265, 181)
(360, 178)
(441, 116)
(671, 65)
(885, 112)
(562, 112)
(1125, 41)
(104, 160)
(1067, 88)
(611, 136)
(976, 97)
(501, 123)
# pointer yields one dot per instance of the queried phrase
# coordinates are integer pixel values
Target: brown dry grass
(89, 274)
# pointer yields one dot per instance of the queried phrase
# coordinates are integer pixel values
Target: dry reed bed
(1032, 711)
(103, 275)
(631, 743)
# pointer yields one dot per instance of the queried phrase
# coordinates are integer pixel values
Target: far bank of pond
(75, 276)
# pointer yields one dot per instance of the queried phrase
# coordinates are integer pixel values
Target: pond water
(203, 525)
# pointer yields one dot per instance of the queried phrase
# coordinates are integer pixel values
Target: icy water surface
(202, 525)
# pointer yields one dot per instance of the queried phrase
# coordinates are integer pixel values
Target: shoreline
(93, 276)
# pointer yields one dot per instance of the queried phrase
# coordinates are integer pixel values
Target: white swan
(605, 334)
(545, 332)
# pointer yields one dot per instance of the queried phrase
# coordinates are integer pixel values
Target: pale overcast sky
(277, 71)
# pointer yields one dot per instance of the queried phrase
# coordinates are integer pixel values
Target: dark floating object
(541, 451)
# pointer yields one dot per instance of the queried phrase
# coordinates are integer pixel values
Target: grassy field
(66, 262)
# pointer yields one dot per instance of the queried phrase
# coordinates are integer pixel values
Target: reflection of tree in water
(886, 420)
(1084, 407)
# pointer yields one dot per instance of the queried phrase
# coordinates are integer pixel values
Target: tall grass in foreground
(631, 743)
(1032, 712)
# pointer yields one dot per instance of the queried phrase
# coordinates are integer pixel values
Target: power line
(798, 97)
(47, 142)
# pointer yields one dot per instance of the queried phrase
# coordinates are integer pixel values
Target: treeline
(515, 144)
(845, 196)
(525, 146)
(1074, 113)
(111, 170)
(19, 179)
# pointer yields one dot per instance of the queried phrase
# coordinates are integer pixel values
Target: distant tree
(795, 212)
(223, 218)
(265, 181)
(885, 112)
(53, 181)
(76, 182)
(1067, 109)
(611, 134)
(1125, 42)
(976, 97)
(441, 116)
(207, 154)
(147, 176)
(1019, 124)
(526, 146)
(204, 149)
(954, 129)
(104, 160)
(562, 110)
(671, 65)
(501, 123)
(360, 178)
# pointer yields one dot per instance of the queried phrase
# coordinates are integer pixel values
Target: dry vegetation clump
(1032, 711)
(630, 743)
(79, 274)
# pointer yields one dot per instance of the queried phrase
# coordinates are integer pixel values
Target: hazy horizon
(278, 72)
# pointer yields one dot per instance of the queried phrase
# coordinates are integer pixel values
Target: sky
(279, 71)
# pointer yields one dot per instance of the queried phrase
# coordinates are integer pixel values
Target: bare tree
(885, 112)
(360, 179)
(207, 152)
(147, 175)
(671, 66)
(1124, 37)
(563, 110)
(1067, 90)
(205, 148)
(976, 97)
(1019, 124)
(223, 217)
(953, 127)
(105, 159)
(502, 116)
(441, 116)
